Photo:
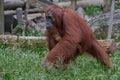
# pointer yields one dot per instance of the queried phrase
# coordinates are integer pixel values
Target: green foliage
(34, 33)
(117, 5)
(100, 35)
(92, 10)
(24, 63)
(118, 38)
(21, 28)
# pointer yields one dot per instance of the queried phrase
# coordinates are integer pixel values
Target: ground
(19, 63)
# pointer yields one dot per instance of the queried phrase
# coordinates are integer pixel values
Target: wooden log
(30, 11)
(13, 4)
(33, 16)
(108, 45)
(83, 3)
(12, 39)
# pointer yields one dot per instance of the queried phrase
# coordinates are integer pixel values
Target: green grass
(18, 63)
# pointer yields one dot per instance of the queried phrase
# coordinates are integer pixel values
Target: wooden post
(26, 11)
(1, 17)
(75, 4)
(107, 5)
(26, 17)
(111, 20)
(19, 14)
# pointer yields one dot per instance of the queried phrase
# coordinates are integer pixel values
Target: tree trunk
(1, 17)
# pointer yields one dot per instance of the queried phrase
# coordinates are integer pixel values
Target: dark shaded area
(9, 23)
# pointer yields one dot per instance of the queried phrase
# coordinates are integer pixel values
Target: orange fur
(76, 38)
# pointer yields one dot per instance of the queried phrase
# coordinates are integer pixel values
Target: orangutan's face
(50, 22)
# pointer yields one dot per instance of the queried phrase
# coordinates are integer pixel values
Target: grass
(18, 63)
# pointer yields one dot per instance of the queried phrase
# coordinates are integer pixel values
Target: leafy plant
(34, 33)
(118, 39)
(21, 29)
(90, 10)
(117, 4)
